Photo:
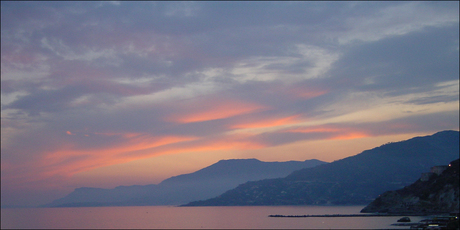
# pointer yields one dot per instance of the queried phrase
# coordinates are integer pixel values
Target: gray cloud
(199, 36)
(398, 64)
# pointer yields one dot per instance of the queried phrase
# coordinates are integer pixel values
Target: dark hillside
(438, 194)
(353, 180)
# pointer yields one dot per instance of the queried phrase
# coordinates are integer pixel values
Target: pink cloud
(213, 110)
(264, 123)
(68, 159)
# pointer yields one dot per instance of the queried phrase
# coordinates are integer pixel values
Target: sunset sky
(102, 94)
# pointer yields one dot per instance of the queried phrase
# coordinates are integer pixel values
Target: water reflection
(169, 217)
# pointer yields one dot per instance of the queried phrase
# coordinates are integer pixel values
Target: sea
(172, 217)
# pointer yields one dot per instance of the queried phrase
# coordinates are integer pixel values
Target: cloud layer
(87, 85)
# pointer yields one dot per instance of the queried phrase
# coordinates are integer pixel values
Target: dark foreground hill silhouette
(354, 180)
(202, 184)
(437, 192)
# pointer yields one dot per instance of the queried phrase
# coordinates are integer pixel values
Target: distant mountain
(202, 184)
(434, 192)
(354, 180)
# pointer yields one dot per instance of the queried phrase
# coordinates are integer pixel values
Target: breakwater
(353, 215)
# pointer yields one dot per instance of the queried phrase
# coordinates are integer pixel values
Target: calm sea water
(169, 217)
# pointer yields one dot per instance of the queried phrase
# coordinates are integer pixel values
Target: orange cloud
(347, 136)
(68, 160)
(267, 123)
(217, 110)
(313, 130)
(215, 146)
(129, 143)
(230, 143)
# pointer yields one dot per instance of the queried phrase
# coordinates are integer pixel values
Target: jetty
(352, 215)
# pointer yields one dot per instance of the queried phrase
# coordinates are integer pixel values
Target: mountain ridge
(354, 180)
(206, 182)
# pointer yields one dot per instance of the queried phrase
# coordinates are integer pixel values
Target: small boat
(404, 219)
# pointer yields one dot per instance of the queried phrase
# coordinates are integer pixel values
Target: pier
(352, 215)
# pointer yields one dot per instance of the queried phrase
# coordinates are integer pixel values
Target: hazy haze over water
(169, 217)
